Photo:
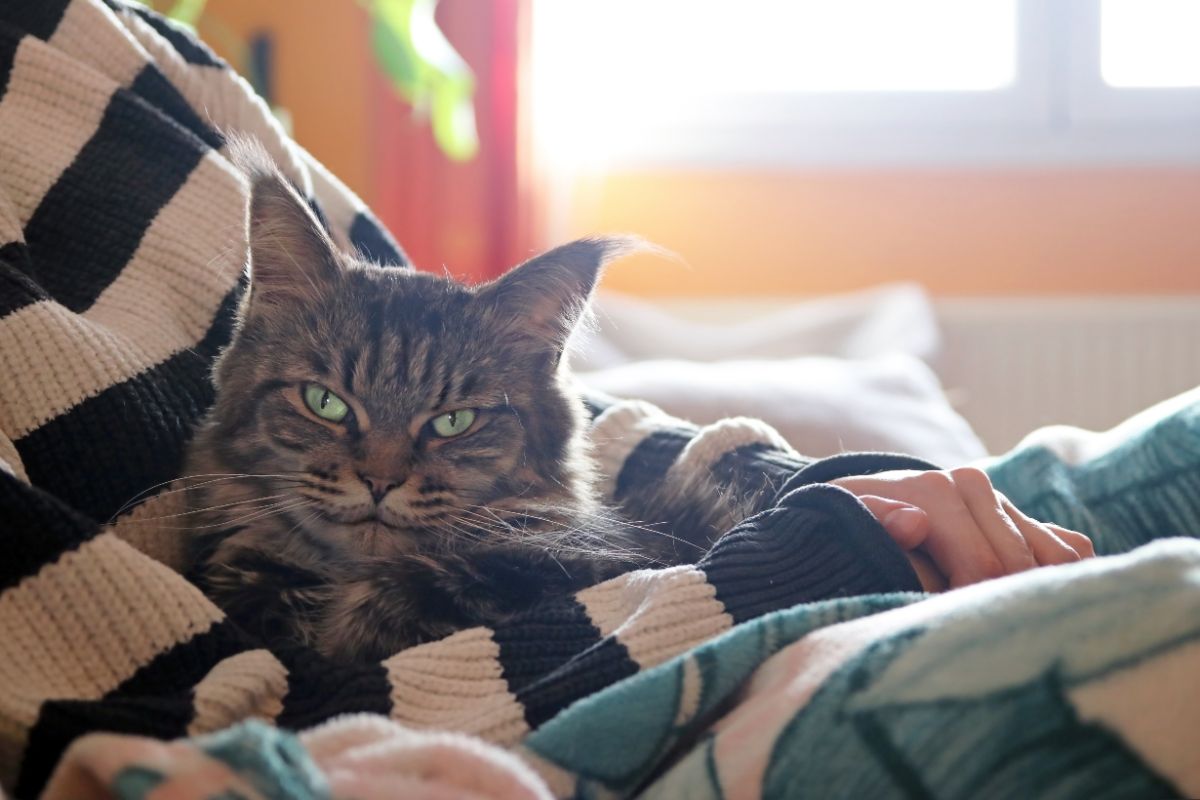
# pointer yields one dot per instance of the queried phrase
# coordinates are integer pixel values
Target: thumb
(905, 523)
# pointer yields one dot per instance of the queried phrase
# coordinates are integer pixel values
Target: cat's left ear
(547, 296)
(292, 258)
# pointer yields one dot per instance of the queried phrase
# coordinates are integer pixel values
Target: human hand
(957, 529)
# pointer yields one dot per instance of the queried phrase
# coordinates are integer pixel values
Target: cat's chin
(370, 537)
(372, 523)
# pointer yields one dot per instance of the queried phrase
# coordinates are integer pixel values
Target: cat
(392, 455)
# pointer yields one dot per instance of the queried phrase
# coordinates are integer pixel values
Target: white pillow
(888, 319)
(821, 405)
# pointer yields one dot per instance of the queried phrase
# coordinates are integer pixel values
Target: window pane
(700, 46)
(1150, 43)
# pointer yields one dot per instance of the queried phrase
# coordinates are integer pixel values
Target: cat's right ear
(545, 297)
(292, 258)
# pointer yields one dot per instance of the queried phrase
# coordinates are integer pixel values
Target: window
(866, 81)
(1150, 44)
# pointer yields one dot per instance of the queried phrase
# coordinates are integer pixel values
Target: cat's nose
(379, 487)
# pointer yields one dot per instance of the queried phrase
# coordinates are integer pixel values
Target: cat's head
(398, 408)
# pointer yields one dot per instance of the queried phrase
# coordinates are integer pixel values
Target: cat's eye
(324, 403)
(454, 423)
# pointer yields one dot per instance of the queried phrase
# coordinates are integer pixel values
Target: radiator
(1010, 365)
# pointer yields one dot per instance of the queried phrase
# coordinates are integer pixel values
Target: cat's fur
(288, 537)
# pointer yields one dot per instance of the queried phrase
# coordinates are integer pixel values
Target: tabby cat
(392, 455)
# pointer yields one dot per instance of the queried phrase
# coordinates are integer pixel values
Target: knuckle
(1064, 552)
(971, 476)
(1081, 545)
(990, 567)
(1024, 558)
(1073, 539)
(936, 480)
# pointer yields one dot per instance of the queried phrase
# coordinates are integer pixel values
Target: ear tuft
(547, 296)
(291, 256)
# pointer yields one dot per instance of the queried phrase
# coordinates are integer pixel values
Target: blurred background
(1005, 191)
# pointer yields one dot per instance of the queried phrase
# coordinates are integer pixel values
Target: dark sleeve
(843, 465)
(780, 497)
(845, 551)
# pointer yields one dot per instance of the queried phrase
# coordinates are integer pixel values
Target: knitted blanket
(122, 254)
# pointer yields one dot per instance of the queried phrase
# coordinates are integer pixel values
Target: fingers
(1008, 537)
(1077, 541)
(931, 578)
(1051, 544)
(1046, 545)
(955, 542)
(906, 524)
(969, 530)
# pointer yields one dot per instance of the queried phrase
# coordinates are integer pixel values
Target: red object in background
(471, 218)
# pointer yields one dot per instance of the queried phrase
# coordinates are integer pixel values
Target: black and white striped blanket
(122, 252)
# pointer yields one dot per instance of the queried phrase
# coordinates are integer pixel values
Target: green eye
(454, 423)
(324, 403)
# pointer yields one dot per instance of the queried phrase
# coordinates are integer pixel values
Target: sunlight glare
(596, 61)
(1150, 43)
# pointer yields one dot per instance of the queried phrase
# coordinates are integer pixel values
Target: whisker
(259, 514)
(217, 477)
(143, 520)
(302, 523)
(270, 511)
(611, 519)
(571, 539)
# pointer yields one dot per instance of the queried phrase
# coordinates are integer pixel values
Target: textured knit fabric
(1137, 482)
(122, 255)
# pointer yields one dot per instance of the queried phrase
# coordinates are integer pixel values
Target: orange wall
(323, 69)
(461, 216)
(961, 232)
(1017, 231)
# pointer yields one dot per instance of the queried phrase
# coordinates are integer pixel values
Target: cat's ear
(547, 296)
(291, 256)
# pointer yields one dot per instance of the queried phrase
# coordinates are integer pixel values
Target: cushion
(887, 319)
(821, 405)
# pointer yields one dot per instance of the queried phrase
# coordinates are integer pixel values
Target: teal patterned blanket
(1072, 682)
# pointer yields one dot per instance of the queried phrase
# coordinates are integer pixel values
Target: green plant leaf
(422, 67)
(395, 57)
(453, 120)
(187, 11)
(426, 71)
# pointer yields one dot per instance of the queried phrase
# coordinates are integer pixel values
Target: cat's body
(392, 455)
